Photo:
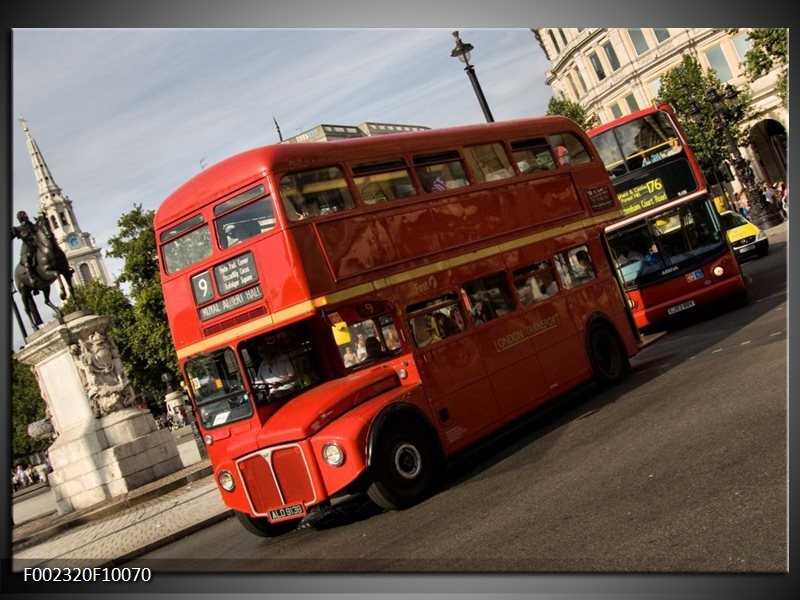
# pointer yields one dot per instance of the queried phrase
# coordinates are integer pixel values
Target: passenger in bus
(361, 347)
(431, 182)
(628, 255)
(349, 357)
(483, 310)
(310, 208)
(674, 147)
(373, 348)
(242, 231)
(445, 325)
(392, 343)
(276, 370)
(585, 269)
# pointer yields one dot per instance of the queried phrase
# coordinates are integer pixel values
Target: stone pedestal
(104, 447)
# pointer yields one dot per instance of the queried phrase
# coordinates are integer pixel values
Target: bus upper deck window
(315, 192)
(242, 217)
(532, 155)
(488, 162)
(569, 149)
(185, 244)
(379, 182)
(441, 171)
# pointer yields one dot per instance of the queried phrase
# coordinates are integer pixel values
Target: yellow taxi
(746, 238)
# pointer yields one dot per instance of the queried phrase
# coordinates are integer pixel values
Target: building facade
(83, 256)
(613, 72)
(329, 133)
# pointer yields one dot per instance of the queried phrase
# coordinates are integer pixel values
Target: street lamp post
(728, 111)
(462, 52)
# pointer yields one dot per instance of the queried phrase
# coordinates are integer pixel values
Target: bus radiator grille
(277, 478)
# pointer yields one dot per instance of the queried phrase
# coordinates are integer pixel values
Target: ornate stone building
(613, 72)
(327, 133)
(83, 256)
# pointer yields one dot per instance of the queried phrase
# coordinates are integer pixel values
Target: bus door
(506, 343)
(449, 362)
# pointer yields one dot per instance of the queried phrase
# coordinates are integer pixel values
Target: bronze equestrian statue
(41, 262)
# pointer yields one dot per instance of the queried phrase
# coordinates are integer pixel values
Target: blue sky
(124, 116)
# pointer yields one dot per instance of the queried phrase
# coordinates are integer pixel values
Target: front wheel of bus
(607, 354)
(404, 467)
(260, 526)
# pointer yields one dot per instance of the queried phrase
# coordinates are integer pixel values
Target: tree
(149, 335)
(686, 88)
(140, 330)
(571, 110)
(769, 51)
(27, 406)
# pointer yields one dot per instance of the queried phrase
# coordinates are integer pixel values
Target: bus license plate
(679, 307)
(287, 512)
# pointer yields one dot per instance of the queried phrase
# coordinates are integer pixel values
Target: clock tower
(85, 259)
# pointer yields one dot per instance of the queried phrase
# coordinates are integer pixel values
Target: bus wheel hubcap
(407, 461)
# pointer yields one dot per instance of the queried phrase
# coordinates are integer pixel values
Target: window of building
(581, 80)
(638, 40)
(616, 111)
(488, 162)
(488, 298)
(742, 44)
(716, 60)
(598, 66)
(611, 55)
(53, 222)
(630, 100)
(553, 39)
(661, 34)
(572, 85)
(563, 37)
(655, 86)
(535, 283)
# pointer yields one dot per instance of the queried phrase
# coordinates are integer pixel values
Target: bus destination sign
(237, 273)
(642, 197)
(231, 302)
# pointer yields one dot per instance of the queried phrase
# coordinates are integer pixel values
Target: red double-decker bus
(670, 247)
(349, 315)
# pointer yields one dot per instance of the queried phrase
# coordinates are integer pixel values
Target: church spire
(44, 179)
(83, 256)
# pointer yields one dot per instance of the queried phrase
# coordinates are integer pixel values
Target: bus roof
(239, 170)
(631, 117)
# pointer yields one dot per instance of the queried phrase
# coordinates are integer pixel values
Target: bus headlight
(402, 373)
(333, 454)
(226, 481)
(718, 271)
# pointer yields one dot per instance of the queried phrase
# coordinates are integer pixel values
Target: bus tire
(607, 354)
(404, 466)
(261, 526)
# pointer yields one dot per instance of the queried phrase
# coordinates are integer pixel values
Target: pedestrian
(744, 204)
(768, 192)
(782, 198)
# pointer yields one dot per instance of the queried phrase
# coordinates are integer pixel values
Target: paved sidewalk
(125, 527)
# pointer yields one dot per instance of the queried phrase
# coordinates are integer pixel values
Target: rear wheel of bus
(404, 466)
(607, 354)
(260, 526)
